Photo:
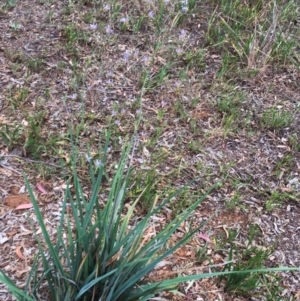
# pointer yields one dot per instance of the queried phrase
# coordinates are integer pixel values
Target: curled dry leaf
(19, 252)
(24, 206)
(41, 188)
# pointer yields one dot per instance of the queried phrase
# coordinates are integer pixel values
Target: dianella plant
(106, 256)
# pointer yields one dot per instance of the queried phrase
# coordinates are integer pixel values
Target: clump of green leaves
(35, 144)
(244, 284)
(275, 118)
(9, 4)
(105, 256)
(248, 259)
(74, 35)
(35, 64)
(10, 135)
(19, 98)
(276, 199)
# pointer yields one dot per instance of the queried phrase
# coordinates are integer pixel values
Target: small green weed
(35, 143)
(275, 118)
(294, 142)
(180, 110)
(74, 35)
(284, 165)
(47, 2)
(195, 59)
(9, 4)
(179, 205)
(226, 239)
(15, 56)
(273, 286)
(276, 199)
(88, 17)
(157, 80)
(252, 257)
(245, 284)
(160, 114)
(201, 254)
(147, 186)
(139, 24)
(15, 68)
(35, 64)
(229, 103)
(10, 137)
(225, 169)
(21, 95)
(16, 26)
(194, 125)
(234, 202)
(195, 146)
(18, 98)
(49, 16)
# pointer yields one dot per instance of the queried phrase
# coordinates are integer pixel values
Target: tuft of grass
(276, 199)
(35, 143)
(10, 135)
(235, 201)
(148, 186)
(284, 165)
(74, 35)
(294, 142)
(19, 97)
(9, 4)
(275, 118)
(252, 35)
(35, 64)
(245, 284)
(229, 103)
(104, 255)
(251, 257)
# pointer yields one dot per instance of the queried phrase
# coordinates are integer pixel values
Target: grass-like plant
(10, 136)
(105, 256)
(246, 283)
(250, 257)
(274, 118)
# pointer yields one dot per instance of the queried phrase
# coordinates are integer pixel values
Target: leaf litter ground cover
(216, 86)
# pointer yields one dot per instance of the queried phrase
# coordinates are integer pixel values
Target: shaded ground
(207, 113)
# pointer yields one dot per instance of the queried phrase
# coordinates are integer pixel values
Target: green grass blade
(168, 284)
(92, 283)
(17, 292)
(46, 236)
